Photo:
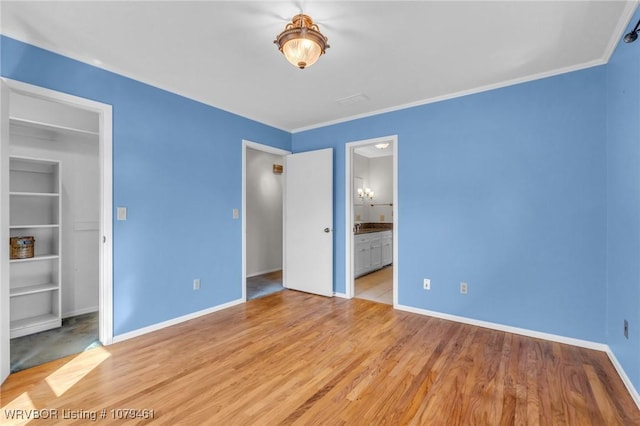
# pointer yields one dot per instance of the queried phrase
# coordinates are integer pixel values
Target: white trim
(626, 16)
(621, 25)
(243, 213)
(5, 333)
(133, 76)
(537, 335)
(105, 146)
(460, 94)
(508, 329)
(178, 320)
(623, 375)
(348, 219)
(80, 312)
(340, 295)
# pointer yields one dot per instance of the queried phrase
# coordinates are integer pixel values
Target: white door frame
(105, 142)
(349, 220)
(270, 150)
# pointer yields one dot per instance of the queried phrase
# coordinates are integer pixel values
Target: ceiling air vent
(353, 99)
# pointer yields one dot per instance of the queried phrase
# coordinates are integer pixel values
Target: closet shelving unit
(35, 205)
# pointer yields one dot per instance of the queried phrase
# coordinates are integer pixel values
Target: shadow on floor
(77, 334)
(263, 285)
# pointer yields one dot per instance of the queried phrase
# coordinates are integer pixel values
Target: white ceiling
(372, 151)
(386, 54)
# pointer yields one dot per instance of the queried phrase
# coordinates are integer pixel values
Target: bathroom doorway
(372, 219)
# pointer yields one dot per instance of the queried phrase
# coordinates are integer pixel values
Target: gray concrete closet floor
(76, 335)
(262, 285)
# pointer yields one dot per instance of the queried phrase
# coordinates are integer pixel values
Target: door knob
(327, 230)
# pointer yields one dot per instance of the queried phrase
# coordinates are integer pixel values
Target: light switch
(122, 213)
(236, 213)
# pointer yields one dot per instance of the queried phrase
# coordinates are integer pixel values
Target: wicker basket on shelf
(22, 247)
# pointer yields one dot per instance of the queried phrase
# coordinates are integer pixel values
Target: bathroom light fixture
(633, 35)
(382, 145)
(365, 193)
(301, 42)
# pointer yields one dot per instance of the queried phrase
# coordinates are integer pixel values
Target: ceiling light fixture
(382, 145)
(365, 193)
(301, 42)
(633, 35)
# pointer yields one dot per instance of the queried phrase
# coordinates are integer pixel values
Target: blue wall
(623, 205)
(504, 190)
(177, 168)
(529, 193)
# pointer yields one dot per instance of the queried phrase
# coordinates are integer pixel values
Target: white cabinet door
(387, 248)
(376, 252)
(362, 258)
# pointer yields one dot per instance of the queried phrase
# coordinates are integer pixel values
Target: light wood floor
(294, 358)
(376, 286)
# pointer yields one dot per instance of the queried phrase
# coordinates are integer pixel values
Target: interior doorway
(56, 180)
(371, 217)
(262, 219)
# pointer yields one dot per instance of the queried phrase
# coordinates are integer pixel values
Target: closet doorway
(371, 219)
(56, 175)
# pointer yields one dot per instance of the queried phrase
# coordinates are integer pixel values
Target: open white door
(4, 232)
(308, 222)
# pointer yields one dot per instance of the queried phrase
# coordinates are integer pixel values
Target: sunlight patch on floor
(72, 372)
(22, 404)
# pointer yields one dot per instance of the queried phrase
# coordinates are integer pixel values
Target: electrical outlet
(196, 284)
(626, 329)
(464, 288)
(426, 284)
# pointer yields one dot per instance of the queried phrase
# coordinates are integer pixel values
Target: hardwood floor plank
(294, 358)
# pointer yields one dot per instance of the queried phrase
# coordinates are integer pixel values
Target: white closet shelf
(33, 321)
(31, 289)
(47, 126)
(35, 258)
(34, 194)
(54, 225)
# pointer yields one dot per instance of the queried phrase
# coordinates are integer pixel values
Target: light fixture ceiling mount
(632, 36)
(301, 42)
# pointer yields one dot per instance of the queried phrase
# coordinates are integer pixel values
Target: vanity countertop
(367, 228)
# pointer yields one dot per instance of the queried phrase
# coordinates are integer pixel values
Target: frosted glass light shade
(301, 42)
(301, 52)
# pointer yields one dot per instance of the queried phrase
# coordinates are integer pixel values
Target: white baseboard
(509, 329)
(538, 335)
(623, 375)
(485, 324)
(268, 271)
(77, 312)
(169, 323)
